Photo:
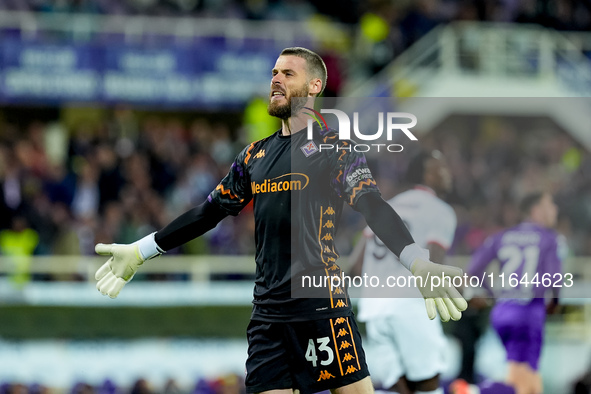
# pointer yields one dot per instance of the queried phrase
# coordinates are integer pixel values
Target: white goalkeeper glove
(435, 284)
(123, 264)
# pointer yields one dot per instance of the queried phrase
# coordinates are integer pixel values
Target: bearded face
(280, 101)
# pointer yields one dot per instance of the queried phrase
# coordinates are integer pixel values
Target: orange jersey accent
(357, 188)
(248, 153)
(228, 192)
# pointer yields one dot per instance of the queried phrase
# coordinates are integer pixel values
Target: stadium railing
(207, 286)
(206, 270)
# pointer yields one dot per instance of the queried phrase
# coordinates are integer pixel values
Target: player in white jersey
(409, 347)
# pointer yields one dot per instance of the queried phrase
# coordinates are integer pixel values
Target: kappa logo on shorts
(350, 369)
(309, 149)
(340, 320)
(345, 345)
(327, 237)
(340, 304)
(348, 357)
(325, 375)
(328, 224)
(342, 332)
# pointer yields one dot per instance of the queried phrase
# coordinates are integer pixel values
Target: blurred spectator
(15, 388)
(583, 385)
(82, 388)
(86, 196)
(294, 10)
(110, 179)
(65, 239)
(257, 122)
(221, 149)
(141, 386)
(334, 67)
(59, 184)
(107, 387)
(375, 45)
(421, 17)
(171, 387)
(38, 389)
(17, 244)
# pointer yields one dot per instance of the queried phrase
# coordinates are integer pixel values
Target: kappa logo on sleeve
(309, 149)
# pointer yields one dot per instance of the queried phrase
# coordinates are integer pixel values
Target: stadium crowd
(110, 183)
(62, 191)
(419, 15)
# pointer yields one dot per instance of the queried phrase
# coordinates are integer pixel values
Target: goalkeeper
(298, 338)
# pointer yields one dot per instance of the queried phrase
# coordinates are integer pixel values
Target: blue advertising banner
(49, 72)
(200, 76)
(149, 75)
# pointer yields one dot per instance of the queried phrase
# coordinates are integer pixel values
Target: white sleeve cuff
(148, 247)
(412, 252)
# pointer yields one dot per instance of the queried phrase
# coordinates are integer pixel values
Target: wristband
(148, 248)
(412, 252)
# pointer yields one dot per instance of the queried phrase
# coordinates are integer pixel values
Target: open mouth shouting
(277, 94)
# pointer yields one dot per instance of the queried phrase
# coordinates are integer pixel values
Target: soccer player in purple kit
(528, 252)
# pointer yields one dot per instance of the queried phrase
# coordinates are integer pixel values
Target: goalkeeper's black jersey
(298, 191)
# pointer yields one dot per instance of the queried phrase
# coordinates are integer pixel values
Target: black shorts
(311, 356)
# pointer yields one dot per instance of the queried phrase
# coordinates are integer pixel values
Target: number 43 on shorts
(311, 354)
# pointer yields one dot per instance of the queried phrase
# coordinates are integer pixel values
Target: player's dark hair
(530, 201)
(415, 173)
(315, 65)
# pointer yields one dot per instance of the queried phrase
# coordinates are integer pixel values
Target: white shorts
(405, 343)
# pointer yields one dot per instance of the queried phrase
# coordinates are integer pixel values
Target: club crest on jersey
(309, 149)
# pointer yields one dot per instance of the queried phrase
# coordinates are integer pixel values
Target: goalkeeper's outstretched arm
(125, 259)
(189, 225)
(389, 227)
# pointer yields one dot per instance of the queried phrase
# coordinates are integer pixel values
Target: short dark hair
(315, 65)
(415, 173)
(530, 201)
